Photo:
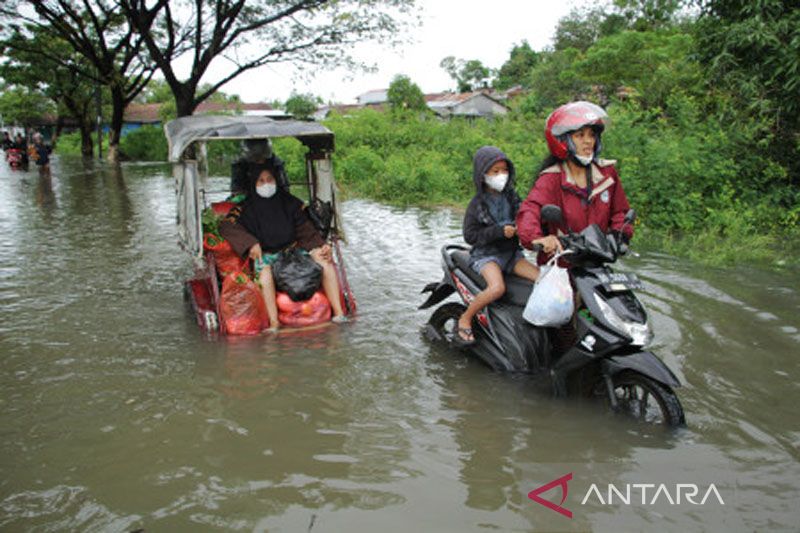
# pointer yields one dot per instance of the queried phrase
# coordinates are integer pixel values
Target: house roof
(375, 96)
(149, 113)
(453, 99)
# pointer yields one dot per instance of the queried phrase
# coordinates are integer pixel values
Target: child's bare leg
(495, 287)
(525, 269)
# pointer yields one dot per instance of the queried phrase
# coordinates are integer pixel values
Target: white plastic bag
(550, 303)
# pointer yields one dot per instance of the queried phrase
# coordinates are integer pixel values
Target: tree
(754, 49)
(97, 31)
(516, 70)
(468, 75)
(654, 63)
(305, 32)
(302, 106)
(72, 94)
(405, 95)
(554, 81)
(21, 105)
(579, 29)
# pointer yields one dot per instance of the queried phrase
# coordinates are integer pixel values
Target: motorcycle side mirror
(552, 213)
(630, 216)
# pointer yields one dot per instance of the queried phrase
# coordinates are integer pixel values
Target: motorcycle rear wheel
(644, 399)
(444, 320)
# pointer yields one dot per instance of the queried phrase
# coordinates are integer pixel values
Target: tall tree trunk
(115, 131)
(57, 132)
(184, 106)
(87, 144)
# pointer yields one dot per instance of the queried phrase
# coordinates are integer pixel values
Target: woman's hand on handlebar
(549, 244)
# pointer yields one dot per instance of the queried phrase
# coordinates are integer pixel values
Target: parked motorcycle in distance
(608, 360)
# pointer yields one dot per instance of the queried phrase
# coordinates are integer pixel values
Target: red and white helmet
(572, 117)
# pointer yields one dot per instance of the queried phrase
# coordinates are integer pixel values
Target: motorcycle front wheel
(644, 399)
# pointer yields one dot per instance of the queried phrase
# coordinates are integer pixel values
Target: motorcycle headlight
(640, 333)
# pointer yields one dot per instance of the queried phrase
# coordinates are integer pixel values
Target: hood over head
(485, 157)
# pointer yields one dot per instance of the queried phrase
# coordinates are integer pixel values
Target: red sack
(242, 309)
(315, 310)
(227, 260)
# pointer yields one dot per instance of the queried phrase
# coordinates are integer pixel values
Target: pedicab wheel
(643, 399)
(443, 323)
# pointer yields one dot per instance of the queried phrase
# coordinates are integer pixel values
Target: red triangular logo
(562, 481)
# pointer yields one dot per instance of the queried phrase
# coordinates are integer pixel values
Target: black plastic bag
(297, 274)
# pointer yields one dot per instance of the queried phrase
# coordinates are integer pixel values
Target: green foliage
(751, 51)
(684, 173)
(405, 95)
(516, 69)
(555, 81)
(469, 75)
(157, 91)
(653, 63)
(21, 105)
(302, 106)
(70, 144)
(146, 143)
(423, 160)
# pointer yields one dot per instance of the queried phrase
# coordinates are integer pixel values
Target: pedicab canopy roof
(183, 131)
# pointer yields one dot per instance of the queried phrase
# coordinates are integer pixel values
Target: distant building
(376, 96)
(138, 115)
(477, 104)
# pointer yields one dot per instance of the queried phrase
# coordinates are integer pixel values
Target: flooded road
(116, 413)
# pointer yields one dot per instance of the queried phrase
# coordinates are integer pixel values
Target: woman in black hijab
(268, 221)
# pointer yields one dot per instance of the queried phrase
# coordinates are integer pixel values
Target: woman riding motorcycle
(573, 177)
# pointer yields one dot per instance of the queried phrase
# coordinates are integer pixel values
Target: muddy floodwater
(117, 413)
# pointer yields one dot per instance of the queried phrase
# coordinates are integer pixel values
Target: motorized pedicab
(187, 139)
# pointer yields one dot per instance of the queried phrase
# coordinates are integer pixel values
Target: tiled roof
(148, 113)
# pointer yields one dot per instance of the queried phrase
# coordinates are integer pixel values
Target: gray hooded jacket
(481, 230)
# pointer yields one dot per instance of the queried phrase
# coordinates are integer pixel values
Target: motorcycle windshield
(596, 244)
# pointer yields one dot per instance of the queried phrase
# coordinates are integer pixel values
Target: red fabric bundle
(315, 310)
(242, 309)
(226, 259)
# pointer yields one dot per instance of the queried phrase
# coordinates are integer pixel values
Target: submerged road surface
(116, 413)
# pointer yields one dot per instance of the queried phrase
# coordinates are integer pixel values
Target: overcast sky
(467, 29)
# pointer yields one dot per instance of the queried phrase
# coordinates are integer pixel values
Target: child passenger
(489, 228)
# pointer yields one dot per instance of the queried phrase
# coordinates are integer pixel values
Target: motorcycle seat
(517, 289)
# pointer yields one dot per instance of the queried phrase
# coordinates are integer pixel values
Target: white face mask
(585, 160)
(497, 182)
(267, 190)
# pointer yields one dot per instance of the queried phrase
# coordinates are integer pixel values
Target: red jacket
(606, 206)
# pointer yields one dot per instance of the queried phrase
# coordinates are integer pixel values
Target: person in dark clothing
(41, 153)
(22, 145)
(256, 152)
(7, 142)
(489, 228)
(268, 221)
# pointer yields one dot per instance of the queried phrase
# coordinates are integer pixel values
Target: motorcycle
(15, 159)
(605, 357)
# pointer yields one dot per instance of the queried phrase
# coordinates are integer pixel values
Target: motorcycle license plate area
(620, 282)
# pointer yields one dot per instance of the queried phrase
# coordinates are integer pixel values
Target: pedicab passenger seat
(517, 289)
